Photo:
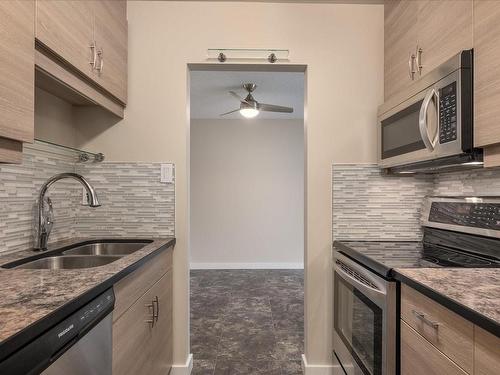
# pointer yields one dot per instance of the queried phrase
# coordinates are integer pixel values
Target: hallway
(247, 321)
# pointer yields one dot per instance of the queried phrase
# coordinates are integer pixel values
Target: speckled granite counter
(473, 293)
(31, 301)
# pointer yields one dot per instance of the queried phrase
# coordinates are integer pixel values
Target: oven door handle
(366, 289)
(422, 120)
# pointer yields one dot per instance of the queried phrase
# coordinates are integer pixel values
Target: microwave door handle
(422, 119)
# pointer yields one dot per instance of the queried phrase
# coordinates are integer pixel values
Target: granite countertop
(31, 301)
(473, 293)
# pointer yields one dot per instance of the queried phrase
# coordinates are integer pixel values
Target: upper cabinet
(90, 38)
(66, 29)
(444, 29)
(110, 33)
(420, 35)
(400, 35)
(16, 77)
(486, 72)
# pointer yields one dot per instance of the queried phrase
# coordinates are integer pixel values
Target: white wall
(247, 193)
(342, 46)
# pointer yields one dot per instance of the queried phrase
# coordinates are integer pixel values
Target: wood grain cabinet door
(419, 357)
(162, 348)
(486, 353)
(66, 29)
(132, 339)
(111, 35)
(486, 72)
(400, 35)
(17, 74)
(444, 28)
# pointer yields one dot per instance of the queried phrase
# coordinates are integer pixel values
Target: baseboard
(246, 266)
(184, 369)
(310, 369)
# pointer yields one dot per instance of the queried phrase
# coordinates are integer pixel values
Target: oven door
(364, 320)
(424, 127)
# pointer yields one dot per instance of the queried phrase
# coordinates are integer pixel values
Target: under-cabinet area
(76, 50)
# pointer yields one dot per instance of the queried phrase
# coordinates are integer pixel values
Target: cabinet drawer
(486, 353)
(419, 357)
(131, 288)
(453, 335)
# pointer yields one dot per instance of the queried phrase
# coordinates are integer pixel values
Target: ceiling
(210, 96)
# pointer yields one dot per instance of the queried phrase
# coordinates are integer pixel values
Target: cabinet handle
(151, 307)
(157, 302)
(411, 66)
(100, 54)
(418, 55)
(93, 49)
(423, 319)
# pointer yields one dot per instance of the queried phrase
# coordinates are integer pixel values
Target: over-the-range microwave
(429, 126)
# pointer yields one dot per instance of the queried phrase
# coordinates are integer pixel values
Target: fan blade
(240, 98)
(274, 108)
(227, 113)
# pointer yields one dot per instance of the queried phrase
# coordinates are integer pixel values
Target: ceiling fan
(249, 107)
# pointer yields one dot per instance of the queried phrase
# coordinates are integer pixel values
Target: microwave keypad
(448, 113)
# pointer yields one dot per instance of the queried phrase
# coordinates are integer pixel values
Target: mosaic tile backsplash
(369, 205)
(134, 202)
(474, 182)
(19, 188)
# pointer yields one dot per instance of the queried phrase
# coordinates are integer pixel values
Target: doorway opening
(246, 219)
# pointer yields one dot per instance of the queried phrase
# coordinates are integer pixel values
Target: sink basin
(92, 253)
(68, 262)
(106, 248)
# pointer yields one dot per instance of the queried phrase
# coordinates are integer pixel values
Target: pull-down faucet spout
(44, 224)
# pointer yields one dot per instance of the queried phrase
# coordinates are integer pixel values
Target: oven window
(400, 132)
(358, 322)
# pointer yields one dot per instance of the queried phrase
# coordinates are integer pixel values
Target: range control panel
(448, 113)
(478, 215)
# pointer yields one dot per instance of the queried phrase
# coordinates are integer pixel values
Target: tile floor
(247, 322)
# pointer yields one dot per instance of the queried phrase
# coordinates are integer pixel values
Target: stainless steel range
(458, 232)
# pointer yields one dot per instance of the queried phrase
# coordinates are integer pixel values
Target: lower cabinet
(486, 353)
(162, 332)
(133, 339)
(420, 357)
(142, 335)
(436, 341)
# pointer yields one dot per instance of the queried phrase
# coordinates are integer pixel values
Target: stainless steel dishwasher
(80, 344)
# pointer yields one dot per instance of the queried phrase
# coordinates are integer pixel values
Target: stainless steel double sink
(81, 255)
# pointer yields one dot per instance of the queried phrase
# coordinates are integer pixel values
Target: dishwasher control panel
(80, 322)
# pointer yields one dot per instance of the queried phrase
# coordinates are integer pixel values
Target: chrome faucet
(44, 224)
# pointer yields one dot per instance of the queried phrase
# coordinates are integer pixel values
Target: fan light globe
(249, 112)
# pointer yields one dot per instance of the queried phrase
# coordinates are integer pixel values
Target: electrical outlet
(167, 173)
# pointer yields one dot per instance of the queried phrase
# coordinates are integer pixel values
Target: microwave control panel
(448, 113)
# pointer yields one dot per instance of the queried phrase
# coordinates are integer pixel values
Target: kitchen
(137, 116)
